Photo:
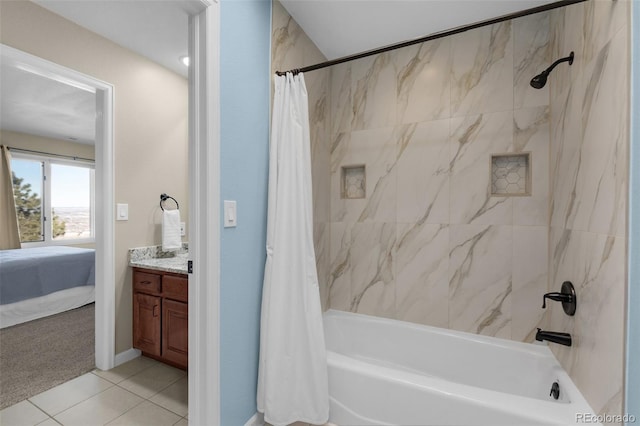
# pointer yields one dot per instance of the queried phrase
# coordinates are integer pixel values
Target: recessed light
(184, 60)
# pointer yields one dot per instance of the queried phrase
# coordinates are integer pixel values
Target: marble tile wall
(589, 165)
(429, 244)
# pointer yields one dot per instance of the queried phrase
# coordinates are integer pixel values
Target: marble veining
(423, 81)
(531, 134)
(422, 265)
(423, 173)
(532, 54)
(286, 34)
(373, 88)
(482, 63)
(339, 290)
(377, 150)
(321, 241)
(529, 280)
(341, 99)
(473, 140)
(372, 279)
(480, 279)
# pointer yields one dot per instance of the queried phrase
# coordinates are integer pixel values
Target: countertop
(154, 258)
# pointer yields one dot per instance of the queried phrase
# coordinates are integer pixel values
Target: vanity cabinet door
(175, 331)
(146, 323)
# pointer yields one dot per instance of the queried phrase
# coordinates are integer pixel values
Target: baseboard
(127, 356)
(256, 420)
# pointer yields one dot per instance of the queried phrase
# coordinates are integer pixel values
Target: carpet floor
(38, 355)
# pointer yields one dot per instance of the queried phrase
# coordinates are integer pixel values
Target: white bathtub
(387, 372)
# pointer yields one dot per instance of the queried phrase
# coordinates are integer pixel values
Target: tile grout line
(111, 385)
(165, 408)
(151, 396)
(71, 406)
(139, 403)
(47, 414)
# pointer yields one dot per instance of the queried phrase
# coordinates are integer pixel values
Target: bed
(42, 281)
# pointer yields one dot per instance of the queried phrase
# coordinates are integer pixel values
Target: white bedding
(43, 306)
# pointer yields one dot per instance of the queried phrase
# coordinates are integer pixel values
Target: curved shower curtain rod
(433, 36)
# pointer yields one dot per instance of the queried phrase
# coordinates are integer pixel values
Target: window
(28, 178)
(54, 200)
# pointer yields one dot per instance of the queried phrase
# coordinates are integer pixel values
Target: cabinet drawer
(147, 283)
(176, 288)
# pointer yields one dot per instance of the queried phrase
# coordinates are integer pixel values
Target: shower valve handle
(558, 297)
(567, 296)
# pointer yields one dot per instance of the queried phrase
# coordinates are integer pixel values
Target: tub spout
(554, 336)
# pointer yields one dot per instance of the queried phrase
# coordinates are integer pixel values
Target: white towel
(171, 239)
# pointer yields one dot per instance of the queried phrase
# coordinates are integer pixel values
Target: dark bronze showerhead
(540, 80)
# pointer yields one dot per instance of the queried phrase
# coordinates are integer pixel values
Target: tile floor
(140, 392)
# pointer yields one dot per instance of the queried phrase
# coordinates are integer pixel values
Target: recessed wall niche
(354, 182)
(511, 174)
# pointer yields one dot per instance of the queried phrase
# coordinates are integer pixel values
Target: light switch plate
(230, 214)
(122, 211)
(183, 227)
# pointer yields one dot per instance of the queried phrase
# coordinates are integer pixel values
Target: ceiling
(38, 105)
(344, 27)
(158, 30)
(34, 104)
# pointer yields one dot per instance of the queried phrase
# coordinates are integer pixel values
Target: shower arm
(559, 61)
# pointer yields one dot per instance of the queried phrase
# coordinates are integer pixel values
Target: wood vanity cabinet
(160, 315)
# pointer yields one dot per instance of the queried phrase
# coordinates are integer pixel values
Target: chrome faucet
(554, 336)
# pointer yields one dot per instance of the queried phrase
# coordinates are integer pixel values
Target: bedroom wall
(51, 146)
(150, 133)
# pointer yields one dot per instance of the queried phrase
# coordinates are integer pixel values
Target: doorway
(203, 229)
(104, 176)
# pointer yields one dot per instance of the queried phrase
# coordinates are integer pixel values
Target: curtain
(292, 376)
(10, 235)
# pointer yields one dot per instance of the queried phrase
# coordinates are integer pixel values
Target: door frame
(204, 204)
(104, 192)
(204, 215)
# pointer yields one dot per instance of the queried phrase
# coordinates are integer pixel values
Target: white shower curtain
(292, 377)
